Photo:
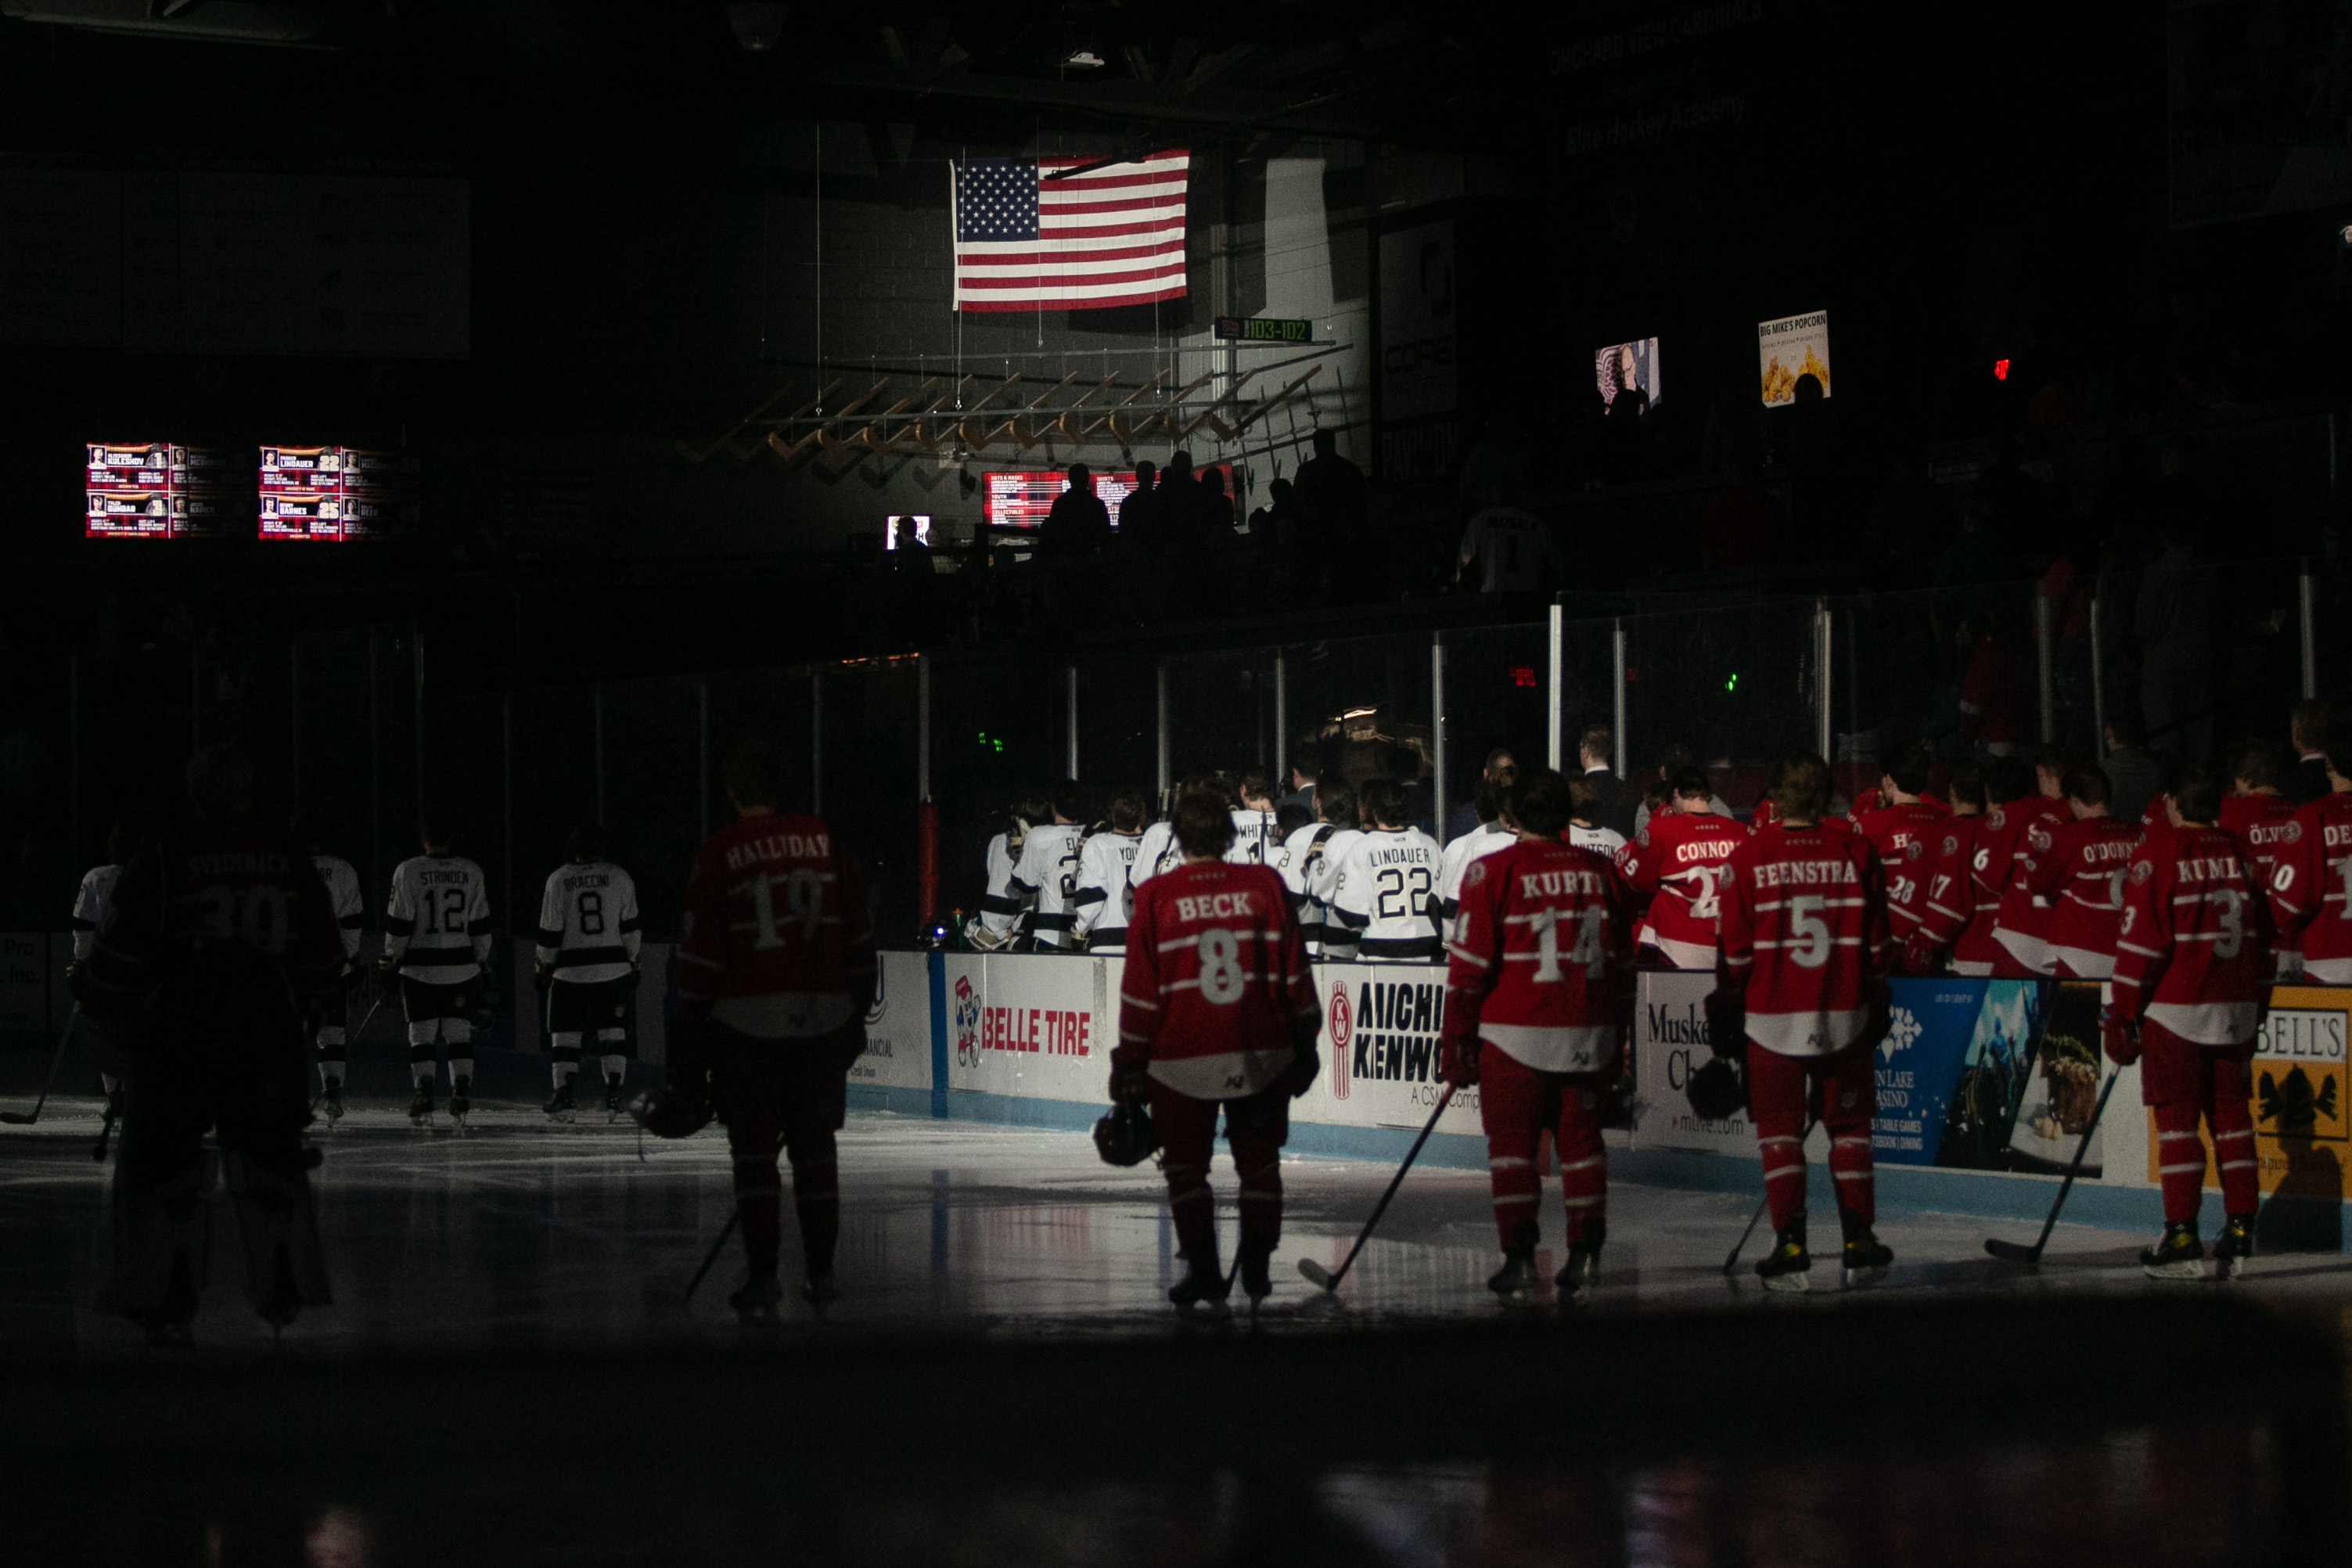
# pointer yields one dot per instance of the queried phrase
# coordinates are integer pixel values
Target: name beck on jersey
(1216, 907)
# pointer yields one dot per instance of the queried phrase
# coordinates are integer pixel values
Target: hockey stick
(712, 1257)
(2008, 1251)
(57, 1060)
(1731, 1262)
(1323, 1279)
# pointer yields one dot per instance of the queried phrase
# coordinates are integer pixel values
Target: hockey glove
(2121, 1037)
(1457, 1061)
(1130, 1083)
(1306, 1067)
(677, 1111)
(387, 966)
(1727, 1023)
(1920, 954)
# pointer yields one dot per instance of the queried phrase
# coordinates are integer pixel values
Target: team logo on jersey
(1913, 850)
(2291, 833)
(2141, 871)
(2038, 836)
(1951, 843)
(2000, 816)
(1477, 872)
(1343, 1023)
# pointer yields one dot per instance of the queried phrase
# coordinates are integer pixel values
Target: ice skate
(614, 1097)
(560, 1106)
(2179, 1255)
(2234, 1246)
(1583, 1271)
(1786, 1266)
(1203, 1287)
(461, 1100)
(820, 1292)
(1866, 1258)
(420, 1109)
(1257, 1273)
(331, 1100)
(1514, 1284)
(755, 1302)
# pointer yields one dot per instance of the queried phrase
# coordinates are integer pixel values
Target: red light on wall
(1523, 675)
(2000, 370)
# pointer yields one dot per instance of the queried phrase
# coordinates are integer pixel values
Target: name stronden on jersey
(588, 923)
(437, 920)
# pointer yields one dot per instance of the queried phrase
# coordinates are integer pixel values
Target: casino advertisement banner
(2303, 1102)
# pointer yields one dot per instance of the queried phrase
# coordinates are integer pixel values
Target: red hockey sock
(1850, 1166)
(2181, 1160)
(760, 1204)
(1511, 1105)
(816, 1201)
(1583, 1162)
(2232, 1117)
(1784, 1177)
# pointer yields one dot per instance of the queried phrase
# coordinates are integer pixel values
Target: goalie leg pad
(285, 1267)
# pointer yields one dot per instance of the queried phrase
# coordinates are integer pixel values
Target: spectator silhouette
(1078, 526)
(1138, 522)
(1335, 504)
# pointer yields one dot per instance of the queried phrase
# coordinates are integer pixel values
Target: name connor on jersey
(1216, 907)
(778, 846)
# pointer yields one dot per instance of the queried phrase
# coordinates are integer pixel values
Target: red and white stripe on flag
(1113, 236)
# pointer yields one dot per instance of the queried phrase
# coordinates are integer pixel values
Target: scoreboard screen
(154, 489)
(1020, 499)
(335, 495)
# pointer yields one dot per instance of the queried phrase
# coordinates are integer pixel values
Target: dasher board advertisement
(897, 1052)
(1791, 347)
(2302, 1099)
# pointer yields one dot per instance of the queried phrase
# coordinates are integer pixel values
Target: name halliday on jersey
(588, 923)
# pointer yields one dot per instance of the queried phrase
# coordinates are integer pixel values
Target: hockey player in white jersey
(332, 1038)
(1002, 911)
(93, 911)
(1490, 835)
(1255, 840)
(588, 956)
(1309, 862)
(1159, 851)
(1100, 907)
(1046, 874)
(1385, 894)
(436, 939)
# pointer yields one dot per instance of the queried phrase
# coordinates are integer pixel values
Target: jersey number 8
(1221, 978)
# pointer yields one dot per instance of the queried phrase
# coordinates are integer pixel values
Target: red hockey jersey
(220, 926)
(2261, 823)
(1957, 910)
(1217, 999)
(1541, 957)
(2309, 887)
(1903, 837)
(1675, 862)
(776, 941)
(2193, 953)
(2081, 877)
(1805, 938)
(2022, 928)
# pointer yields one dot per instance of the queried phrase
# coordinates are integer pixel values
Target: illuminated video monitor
(1020, 499)
(335, 495)
(1626, 367)
(157, 490)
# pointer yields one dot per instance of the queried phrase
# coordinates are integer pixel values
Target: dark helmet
(1717, 1092)
(1125, 1135)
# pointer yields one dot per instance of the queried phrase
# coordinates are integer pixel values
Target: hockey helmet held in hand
(1717, 1092)
(1125, 1135)
(670, 1112)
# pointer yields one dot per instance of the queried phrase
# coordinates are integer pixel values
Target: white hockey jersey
(1000, 906)
(1102, 906)
(1158, 852)
(93, 907)
(588, 924)
(344, 892)
(1385, 896)
(1256, 840)
(1048, 872)
(1309, 862)
(1603, 841)
(1475, 845)
(436, 924)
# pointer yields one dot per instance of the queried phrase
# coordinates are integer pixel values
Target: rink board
(1974, 1116)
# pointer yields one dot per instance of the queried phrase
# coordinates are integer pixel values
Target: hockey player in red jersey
(224, 943)
(1956, 914)
(1217, 1010)
(1537, 992)
(2077, 869)
(2311, 882)
(1801, 989)
(2022, 927)
(2255, 811)
(775, 974)
(1674, 862)
(2191, 984)
(1904, 830)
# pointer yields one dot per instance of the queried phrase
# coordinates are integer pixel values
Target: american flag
(1111, 236)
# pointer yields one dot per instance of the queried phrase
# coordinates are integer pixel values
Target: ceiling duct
(206, 21)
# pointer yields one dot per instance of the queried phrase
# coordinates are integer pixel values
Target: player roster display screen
(335, 495)
(154, 489)
(1021, 500)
